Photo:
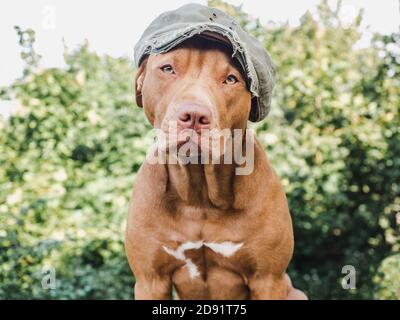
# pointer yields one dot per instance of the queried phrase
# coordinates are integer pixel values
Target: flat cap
(173, 27)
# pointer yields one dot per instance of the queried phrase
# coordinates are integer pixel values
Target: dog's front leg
(153, 288)
(151, 282)
(268, 287)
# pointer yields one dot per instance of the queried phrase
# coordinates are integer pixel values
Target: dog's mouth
(195, 145)
(188, 136)
(184, 143)
(189, 143)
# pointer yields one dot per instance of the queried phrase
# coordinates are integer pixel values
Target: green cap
(173, 27)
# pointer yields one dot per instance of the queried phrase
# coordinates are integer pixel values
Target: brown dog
(200, 228)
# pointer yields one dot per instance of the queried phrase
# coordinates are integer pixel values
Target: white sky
(114, 26)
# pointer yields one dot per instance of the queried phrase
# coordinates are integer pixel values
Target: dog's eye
(231, 79)
(167, 69)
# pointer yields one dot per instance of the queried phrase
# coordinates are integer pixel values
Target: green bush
(388, 279)
(67, 162)
(69, 154)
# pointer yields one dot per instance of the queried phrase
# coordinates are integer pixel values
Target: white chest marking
(226, 248)
(179, 253)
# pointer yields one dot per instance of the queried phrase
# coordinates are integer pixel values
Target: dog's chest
(193, 255)
(202, 250)
(207, 270)
(203, 237)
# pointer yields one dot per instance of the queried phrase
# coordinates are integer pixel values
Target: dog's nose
(194, 117)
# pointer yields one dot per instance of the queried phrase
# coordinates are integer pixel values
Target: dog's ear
(139, 78)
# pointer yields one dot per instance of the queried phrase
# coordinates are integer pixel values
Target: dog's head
(197, 86)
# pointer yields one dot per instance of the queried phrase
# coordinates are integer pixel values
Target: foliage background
(70, 151)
